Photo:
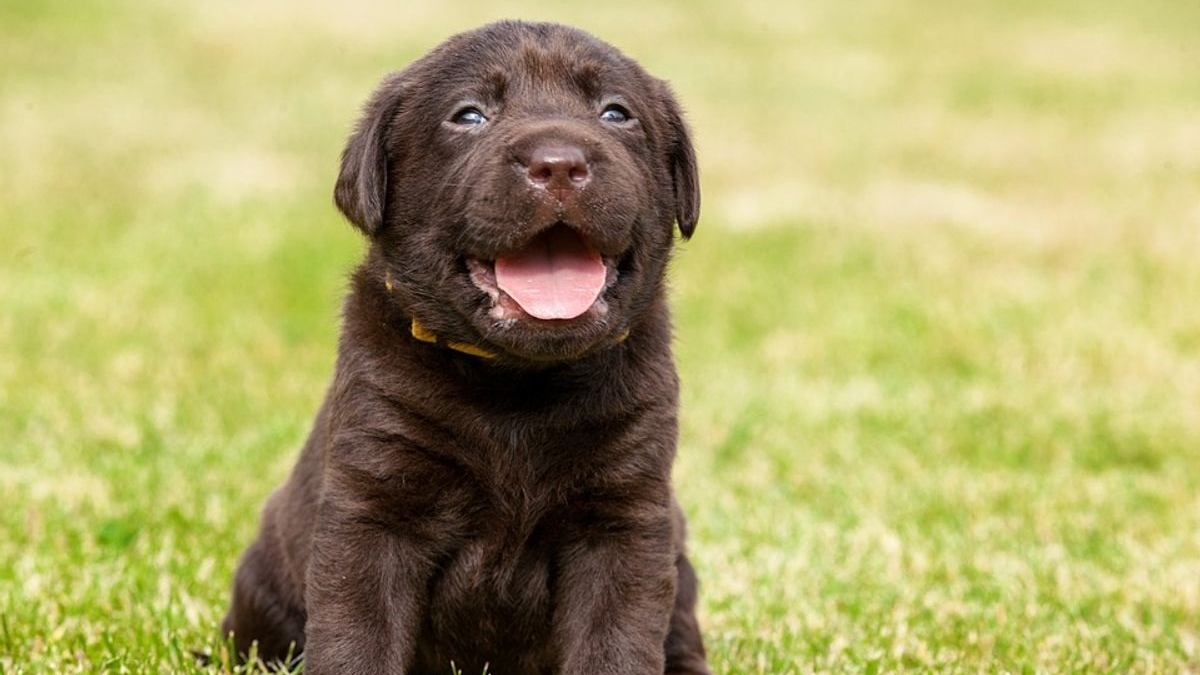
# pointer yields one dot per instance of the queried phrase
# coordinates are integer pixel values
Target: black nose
(558, 169)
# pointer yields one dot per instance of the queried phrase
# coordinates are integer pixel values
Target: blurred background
(939, 327)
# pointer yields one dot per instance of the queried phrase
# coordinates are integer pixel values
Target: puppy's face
(520, 186)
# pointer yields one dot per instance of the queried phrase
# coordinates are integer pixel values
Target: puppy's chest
(498, 577)
(495, 595)
(515, 526)
(506, 563)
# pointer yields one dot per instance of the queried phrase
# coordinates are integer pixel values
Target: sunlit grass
(939, 328)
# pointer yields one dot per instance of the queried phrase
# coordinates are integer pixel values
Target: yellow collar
(423, 334)
(420, 332)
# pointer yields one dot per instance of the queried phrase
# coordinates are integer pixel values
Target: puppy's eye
(469, 116)
(615, 114)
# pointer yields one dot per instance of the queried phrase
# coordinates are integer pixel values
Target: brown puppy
(488, 482)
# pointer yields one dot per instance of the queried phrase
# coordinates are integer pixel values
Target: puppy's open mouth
(556, 276)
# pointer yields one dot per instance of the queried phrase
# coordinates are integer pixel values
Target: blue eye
(469, 117)
(615, 114)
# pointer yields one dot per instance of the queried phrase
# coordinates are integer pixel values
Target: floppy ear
(361, 190)
(685, 175)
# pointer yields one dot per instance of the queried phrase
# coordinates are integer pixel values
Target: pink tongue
(557, 276)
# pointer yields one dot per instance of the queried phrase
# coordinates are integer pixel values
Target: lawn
(938, 329)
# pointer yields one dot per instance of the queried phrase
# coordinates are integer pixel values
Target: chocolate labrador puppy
(488, 482)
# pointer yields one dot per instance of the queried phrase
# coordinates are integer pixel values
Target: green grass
(939, 329)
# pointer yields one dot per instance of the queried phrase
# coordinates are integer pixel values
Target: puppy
(488, 482)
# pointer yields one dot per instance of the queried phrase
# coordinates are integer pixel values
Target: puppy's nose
(558, 169)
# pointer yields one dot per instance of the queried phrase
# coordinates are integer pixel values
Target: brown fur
(515, 511)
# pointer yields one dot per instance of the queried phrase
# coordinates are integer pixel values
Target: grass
(939, 329)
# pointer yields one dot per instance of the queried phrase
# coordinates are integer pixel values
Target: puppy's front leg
(364, 598)
(617, 592)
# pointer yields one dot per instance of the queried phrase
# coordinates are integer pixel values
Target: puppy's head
(520, 186)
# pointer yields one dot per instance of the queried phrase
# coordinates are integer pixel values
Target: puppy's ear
(685, 175)
(361, 190)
